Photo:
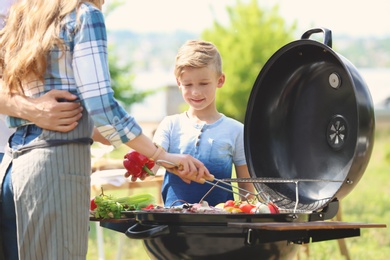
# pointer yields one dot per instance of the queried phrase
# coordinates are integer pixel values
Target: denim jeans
(8, 217)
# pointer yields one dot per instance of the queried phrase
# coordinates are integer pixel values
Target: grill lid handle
(327, 35)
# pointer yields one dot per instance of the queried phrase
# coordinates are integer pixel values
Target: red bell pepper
(93, 205)
(150, 206)
(137, 164)
(146, 169)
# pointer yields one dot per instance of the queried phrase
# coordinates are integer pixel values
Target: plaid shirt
(83, 70)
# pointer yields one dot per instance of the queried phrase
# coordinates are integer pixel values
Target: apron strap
(50, 143)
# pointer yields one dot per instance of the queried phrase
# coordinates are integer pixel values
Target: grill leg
(342, 245)
(100, 241)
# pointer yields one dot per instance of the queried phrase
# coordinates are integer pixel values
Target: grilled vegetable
(107, 206)
(230, 203)
(246, 207)
(92, 205)
(137, 164)
(273, 208)
(136, 201)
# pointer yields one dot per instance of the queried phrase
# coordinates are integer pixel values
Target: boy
(202, 131)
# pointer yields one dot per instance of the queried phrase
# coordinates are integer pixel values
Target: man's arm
(45, 111)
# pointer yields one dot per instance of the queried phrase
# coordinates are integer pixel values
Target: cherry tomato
(93, 205)
(273, 208)
(246, 207)
(253, 211)
(150, 206)
(229, 203)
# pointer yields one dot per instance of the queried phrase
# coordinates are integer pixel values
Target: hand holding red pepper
(137, 165)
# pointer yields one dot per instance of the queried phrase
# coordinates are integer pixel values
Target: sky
(351, 17)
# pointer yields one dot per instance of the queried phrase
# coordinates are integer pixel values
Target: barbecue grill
(309, 130)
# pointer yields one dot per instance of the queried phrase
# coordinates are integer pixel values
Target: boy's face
(199, 85)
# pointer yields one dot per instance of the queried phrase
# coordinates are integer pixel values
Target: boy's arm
(45, 111)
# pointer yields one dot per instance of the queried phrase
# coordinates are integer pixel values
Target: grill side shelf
(315, 225)
(301, 232)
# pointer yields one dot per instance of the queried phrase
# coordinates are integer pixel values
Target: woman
(50, 114)
(60, 44)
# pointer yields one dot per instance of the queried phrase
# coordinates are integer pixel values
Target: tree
(121, 81)
(121, 76)
(245, 43)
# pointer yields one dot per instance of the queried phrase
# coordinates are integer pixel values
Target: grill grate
(284, 193)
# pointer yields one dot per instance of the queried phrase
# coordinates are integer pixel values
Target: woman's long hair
(31, 31)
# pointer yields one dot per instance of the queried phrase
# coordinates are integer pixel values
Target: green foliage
(108, 206)
(121, 81)
(246, 43)
(121, 76)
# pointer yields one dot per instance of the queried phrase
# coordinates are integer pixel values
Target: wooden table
(114, 179)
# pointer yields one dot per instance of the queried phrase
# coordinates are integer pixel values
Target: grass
(368, 202)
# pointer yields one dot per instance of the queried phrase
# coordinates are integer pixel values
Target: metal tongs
(211, 180)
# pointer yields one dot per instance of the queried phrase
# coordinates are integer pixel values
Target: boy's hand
(200, 175)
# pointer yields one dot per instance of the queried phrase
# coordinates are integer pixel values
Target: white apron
(51, 188)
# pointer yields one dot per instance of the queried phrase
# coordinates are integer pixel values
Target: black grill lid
(309, 119)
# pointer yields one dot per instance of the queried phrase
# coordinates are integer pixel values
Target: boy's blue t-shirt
(218, 146)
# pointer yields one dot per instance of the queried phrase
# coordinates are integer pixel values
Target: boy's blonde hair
(197, 54)
(32, 30)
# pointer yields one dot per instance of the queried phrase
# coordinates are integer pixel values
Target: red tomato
(150, 206)
(273, 208)
(246, 207)
(93, 205)
(253, 211)
(230, 203)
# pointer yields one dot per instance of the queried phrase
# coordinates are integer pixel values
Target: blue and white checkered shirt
(83, 70)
